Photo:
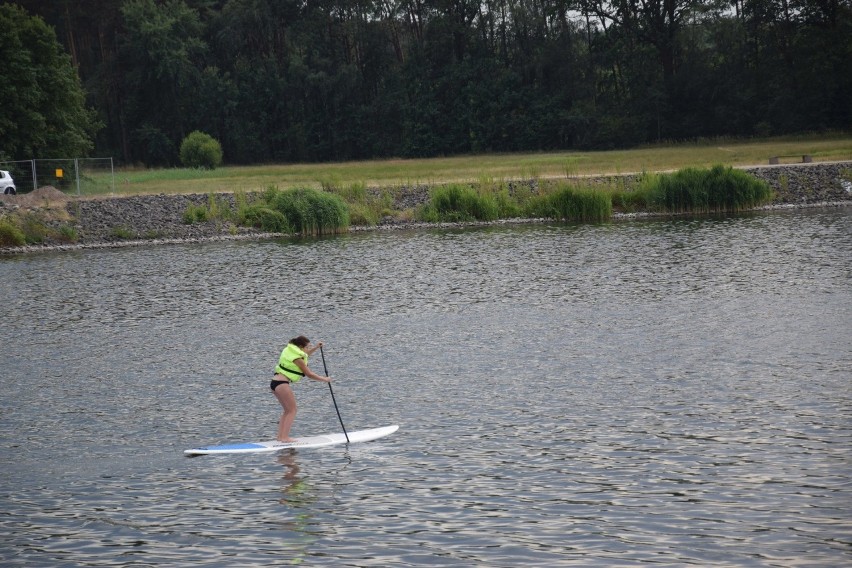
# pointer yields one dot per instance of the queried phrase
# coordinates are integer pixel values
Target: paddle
(332, 396)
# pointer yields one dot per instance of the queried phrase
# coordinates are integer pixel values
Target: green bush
(304, 211)
(701, 191)
(507, 204)
(455, 202)
(11, 235)
(33, 227)
(627, 201)
(261, 216)
(630, 200)
(200, 150)
(365, 207)
(270, 193)
(67, 234)
(195, 214)
(364, 214)
(573, 204)
(217, 209)
(311, 212)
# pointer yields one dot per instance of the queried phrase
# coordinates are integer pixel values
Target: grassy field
(387, 173)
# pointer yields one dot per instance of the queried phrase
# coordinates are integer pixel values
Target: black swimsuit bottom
(275, 384)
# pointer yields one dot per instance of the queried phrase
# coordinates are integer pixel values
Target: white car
(7, 184)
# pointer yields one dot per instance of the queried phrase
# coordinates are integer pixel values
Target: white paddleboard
(300, 443)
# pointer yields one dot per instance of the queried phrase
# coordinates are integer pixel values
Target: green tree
(200, 150)
(290, 80)
(162, 53)
(42, 105)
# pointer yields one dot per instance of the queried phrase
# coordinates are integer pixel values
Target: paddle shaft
(331, 390)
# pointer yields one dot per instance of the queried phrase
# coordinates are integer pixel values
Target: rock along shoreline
(146, 220)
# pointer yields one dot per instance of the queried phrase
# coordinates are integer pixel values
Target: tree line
(334, 80)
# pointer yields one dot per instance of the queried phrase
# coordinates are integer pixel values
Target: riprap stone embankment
(119, 221)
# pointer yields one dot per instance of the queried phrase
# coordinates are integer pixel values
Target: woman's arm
(310, 374)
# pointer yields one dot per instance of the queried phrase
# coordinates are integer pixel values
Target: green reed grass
(629, 201)
(311, 212)
(574, 204)
(196, 214)
(509, 204)
(305, 211)
(456, 202)
(67, 234)
(705, 190)
(36, 226)
(11, 235)
(263, 217)
(366, 206)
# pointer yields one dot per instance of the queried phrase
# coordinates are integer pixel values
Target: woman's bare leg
(285, 397)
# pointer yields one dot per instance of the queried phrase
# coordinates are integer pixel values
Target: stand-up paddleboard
(300, 443)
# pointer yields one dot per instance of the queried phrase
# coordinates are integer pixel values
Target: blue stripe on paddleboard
(233, 447)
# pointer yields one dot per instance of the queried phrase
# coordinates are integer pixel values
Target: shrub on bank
(693, 190)
(310, 212)
(195, 214)
(304, 211)
(365, 207)
(453, 203)
(35, 227)
(11, 235)
(259, 215)
(67, 234)
(572, 204)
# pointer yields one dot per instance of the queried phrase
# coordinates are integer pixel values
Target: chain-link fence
(74, 176)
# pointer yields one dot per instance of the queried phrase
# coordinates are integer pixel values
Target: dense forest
(321, 80)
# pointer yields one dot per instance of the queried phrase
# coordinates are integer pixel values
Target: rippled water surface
(666, 392)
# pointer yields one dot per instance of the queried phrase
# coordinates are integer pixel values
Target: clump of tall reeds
(704, 191)
(11, 235)
(572, 203)
(509, 203)
(217, 209)
(310, 212)
(456, 202)
(195, 214)
(261, 216)
(304, 211)
(366, 207)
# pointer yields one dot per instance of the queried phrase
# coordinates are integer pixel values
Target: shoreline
(158, 219)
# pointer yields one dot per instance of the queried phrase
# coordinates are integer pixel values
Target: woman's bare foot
(287, 440)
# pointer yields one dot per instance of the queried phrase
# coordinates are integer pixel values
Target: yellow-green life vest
(287, 367)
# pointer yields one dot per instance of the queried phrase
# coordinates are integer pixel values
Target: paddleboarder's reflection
(295, 489)
(297, 498)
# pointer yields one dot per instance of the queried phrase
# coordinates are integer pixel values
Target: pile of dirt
(45, 196)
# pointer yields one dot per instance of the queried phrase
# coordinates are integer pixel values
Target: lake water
(671, 392)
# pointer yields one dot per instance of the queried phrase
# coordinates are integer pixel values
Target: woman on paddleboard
(292, 366)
